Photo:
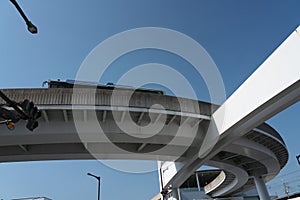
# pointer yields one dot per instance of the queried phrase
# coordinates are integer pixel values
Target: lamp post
(31, 28)
(98, 178)
(298, 159)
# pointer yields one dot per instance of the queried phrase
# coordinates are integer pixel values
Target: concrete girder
(57, 127)
(233, 118)
(251, 150)
(241, 177)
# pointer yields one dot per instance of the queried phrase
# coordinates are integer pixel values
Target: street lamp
(31, 28)
(98, 178)
(298, 159)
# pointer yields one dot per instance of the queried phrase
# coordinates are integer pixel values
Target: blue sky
(238, 35)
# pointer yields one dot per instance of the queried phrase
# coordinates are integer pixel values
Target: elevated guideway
(274, 86)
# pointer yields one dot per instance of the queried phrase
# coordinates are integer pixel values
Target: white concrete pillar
(261, 188)
(198, 183)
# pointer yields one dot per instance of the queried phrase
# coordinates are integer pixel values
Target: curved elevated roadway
(261, 152)
(57, 135)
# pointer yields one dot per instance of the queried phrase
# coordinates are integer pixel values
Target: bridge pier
(261, 188)
(175, 194)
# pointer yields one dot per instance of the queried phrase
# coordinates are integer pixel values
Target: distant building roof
(34, 198)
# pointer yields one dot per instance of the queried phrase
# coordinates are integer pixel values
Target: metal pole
(13, 104)
(5, 98)
(286, 189)
(20, 10)
(298, 159)
(98, 178)
(99, 188)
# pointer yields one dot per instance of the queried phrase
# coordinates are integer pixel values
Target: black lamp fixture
(298, 159)
(31, 27)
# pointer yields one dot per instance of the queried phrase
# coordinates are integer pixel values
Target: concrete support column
(198, 183)
(261, 188)
(175, 194)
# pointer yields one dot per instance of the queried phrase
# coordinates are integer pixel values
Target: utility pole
(286, 189)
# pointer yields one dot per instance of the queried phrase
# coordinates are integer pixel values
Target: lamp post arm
(14, 105)
(20, 10)
(31, 27)
(97, 177)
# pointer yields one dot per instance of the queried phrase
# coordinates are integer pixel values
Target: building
(34, 198)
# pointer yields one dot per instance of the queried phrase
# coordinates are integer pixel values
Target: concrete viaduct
(232, 136)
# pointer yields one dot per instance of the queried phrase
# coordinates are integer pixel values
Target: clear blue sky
(239, 36)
